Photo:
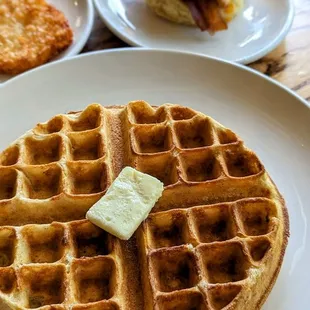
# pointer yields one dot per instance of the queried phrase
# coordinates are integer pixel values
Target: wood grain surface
(288, 64)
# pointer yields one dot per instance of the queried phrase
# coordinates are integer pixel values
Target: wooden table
(289, 63)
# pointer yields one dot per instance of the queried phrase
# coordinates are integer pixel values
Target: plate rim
(157, 50)
(243, 60)
(90, 14)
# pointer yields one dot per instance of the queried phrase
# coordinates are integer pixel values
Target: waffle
(214, 240)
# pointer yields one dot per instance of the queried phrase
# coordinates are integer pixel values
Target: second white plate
(257, 30)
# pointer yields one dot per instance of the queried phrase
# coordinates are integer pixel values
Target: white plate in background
(257, 30)
(272, 121)
(80, 14)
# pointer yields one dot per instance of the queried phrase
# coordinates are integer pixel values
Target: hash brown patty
(31, 33)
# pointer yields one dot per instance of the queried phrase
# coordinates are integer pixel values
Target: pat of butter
(126, 204)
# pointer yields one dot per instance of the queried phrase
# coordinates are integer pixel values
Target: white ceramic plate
(252, 34)
(80, 14)
(273, 121)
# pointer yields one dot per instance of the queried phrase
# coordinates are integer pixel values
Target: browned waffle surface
(61, 265)
(215, 239)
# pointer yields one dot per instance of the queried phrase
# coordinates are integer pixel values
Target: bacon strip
(206, 14)
(197, 14)
(212, 15)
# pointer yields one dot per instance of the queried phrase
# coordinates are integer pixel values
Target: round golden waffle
(215, 239)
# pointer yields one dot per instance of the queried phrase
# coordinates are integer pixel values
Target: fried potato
(31, 33)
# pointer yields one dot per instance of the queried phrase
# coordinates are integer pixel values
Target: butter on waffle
(215, 239)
